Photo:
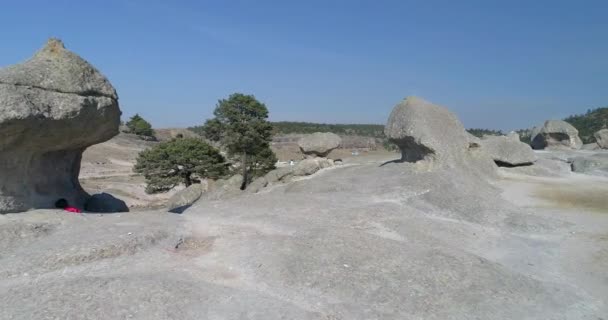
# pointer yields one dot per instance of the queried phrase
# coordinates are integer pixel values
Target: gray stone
(52, 107)
(602, 138)
(306, 167)
(596, 164)
(319, 143)
(507, 151)
(555, 134)
(183, 199)
(224, 188)
(105, 203)
(279, 174)
(424, 131)
(257, 185)
(590, 146)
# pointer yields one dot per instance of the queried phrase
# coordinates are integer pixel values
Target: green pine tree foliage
(140, 126)
(184, 160)
(589, 123)
(241, 126)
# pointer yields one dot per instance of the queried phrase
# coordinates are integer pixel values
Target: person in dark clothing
(63, 204)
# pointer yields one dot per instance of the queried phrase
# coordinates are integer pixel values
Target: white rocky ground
(360, 241)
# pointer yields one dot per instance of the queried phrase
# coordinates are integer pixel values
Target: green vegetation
(589, 123)
(140, 126)
(184, 160)
(484, 132)
(367, 130)
(241, 126)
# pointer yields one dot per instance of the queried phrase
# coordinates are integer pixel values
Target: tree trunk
(187, 180)
(244, 164)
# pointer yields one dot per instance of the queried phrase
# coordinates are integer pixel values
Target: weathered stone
(306, 167)
(602, 138)
(590, 146)
(224, 188)
(105, 203)
(279, 174)
(506, 151)
(52, 107)
(424, 131)
(555, 134)
(183, 199)
(319, 143)
(596, 164)
(257, 185)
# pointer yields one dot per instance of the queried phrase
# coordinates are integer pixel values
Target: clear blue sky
(497, 64)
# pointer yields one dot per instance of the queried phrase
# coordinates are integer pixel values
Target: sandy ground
(360, 241)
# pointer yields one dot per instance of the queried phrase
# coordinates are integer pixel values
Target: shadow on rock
(105, 203)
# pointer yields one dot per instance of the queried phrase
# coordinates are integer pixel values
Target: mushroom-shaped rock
(602, 138)
(555, 134)
(507, 151)
(52, 107)
(319, 143)
(424, 131)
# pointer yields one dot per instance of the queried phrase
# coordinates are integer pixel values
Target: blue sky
(496, 64)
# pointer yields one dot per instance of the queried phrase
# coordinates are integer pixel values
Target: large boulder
(319, 143)
(52, 107)
(183, 199)
(555, 134)
(602, 138)
(508, 150)
(424, 131)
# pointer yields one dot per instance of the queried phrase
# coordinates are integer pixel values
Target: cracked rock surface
(52, 107)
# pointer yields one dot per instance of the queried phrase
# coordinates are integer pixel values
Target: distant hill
(589, 123)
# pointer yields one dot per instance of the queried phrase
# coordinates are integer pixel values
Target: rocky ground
(365, 240)
(108, 167)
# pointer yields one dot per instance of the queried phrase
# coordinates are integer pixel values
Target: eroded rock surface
(52, 107)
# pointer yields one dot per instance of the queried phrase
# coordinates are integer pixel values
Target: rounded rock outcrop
(52, 107)
(508, 151)
(319, 143)
(425, 131)
(555, 134)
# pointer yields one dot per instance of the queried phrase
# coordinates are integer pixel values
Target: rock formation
(424, 131)
(52, 107)
(602, 138)
(508, 150)
(180, 201)
(596, 164)
(555, 134)
(319, 143)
